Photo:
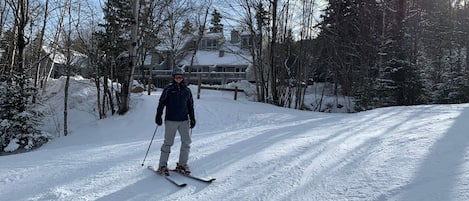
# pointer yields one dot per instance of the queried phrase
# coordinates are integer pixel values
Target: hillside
(255, 151)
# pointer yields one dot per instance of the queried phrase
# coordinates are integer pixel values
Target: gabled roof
(59, 57)
(212, 58)
(213, 35)
(165, 45)
(232, 54)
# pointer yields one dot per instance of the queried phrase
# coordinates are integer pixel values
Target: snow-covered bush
(19, 119)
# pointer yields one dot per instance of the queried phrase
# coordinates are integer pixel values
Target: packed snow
(255, 151)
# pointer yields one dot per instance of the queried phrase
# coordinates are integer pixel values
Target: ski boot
(163, 170)
(183, 169)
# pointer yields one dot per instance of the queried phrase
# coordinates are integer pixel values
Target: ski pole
(150, 145)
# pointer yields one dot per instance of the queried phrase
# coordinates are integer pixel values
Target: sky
(255, 151)
(233, 14)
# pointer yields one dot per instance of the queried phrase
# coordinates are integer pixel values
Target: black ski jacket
(177, 98)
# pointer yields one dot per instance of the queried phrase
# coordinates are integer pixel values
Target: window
(212, 43)
(246, 42)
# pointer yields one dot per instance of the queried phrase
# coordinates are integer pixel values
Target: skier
(179, 116)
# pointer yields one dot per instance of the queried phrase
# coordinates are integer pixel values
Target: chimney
(234, 36)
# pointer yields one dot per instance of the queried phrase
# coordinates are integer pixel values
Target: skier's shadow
(152, 187)
(440, 170)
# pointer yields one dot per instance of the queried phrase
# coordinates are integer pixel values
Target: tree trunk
(54, 47)
(199, 38)
(39, 50)
(128, 75)
(3, 18)
(13, 56)
(273, 78)
(22, 18)
(3, 14)
(67, 67)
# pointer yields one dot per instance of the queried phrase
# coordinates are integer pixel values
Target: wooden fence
(235, 90)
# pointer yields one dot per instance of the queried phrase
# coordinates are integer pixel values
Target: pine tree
(115, 41)
(442, 52)
(187, 28)
(19, 118)
(349, 49)
(399, 66)
(217, 26)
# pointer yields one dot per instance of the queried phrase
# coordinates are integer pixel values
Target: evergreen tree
(442, 52)
(349, 48)
(217, 26)
(19, 118)
(399, 66)
(397, 80)
(115, 41)
(187, 28)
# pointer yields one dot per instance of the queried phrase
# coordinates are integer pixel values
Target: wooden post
(235, 90)
(199, 86)
(236, 93)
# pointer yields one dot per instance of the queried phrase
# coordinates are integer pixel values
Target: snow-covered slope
(256, 152)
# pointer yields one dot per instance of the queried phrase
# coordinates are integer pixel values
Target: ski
(169, 178)
(174, 181)
(202, 179)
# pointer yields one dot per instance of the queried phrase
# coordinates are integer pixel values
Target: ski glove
(192, 123)
(158, 120)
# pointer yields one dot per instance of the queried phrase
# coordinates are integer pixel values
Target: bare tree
(273, 53)
(21, 20)
(68, 63)
(54, 46)
(152, 22)
(305, 57)
(16, 8)
(175, 13)
(254, 20)
(88, 40)
(128, 77)
(40, 43)
(201, 25)
(4, 13)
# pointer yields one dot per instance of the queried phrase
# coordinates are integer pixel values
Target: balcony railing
(193, 77)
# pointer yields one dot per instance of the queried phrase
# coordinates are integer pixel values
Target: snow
(212, 58)
(255, 151)
(12, 146)
(61, 58)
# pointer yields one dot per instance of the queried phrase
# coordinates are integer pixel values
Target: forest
(374, 53)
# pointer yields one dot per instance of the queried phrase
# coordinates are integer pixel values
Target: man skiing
(179, 116)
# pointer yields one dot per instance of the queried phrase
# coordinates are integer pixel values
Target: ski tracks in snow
(362, 157)
(258, 155)
(93, 173)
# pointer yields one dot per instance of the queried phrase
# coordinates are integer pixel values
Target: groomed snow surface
(255, 151)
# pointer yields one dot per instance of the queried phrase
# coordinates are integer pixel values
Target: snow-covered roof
(148, 59)
(60, 58)
(213, 35)
(166, 45)
(245, 33)
(212, 58)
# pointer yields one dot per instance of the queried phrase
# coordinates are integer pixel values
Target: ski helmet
(177, 71)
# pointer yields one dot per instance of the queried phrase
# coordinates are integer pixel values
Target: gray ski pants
(170, 133)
